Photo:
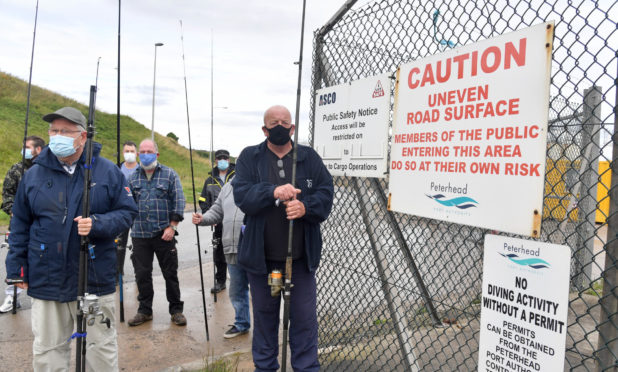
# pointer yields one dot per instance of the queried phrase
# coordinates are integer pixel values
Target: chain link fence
(397, 292)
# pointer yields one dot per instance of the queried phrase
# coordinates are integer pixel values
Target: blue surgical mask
(147, 159)
(28, 154)
(62, 146)
(223, 164)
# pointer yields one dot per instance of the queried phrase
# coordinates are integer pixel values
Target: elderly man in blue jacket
(45, 242)
(263, 176)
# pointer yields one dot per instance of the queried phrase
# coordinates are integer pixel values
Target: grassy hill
(13, 93)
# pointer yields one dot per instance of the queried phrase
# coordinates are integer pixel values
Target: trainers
(8, 304)
(233, 332)
(138, 319)
(179, 319)
(217, 288)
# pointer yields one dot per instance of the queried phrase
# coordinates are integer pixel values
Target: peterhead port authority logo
(534, 263)
(378, 91)
(460, 202)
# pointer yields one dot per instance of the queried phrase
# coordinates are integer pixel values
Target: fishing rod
(215, 241)
(197, 232)
(288, 260)
(120, 254)
(88, 308)
(118, 103)
(23, 149)
(96, 80)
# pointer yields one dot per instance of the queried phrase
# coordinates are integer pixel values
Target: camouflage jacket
(11, 181)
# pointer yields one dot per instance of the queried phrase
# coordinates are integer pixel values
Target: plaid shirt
(159, 201)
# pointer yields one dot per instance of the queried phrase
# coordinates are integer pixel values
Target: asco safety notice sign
(524, 306)
(351, 127)
(470, 132)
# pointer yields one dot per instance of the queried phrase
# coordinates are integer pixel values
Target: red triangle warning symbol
(378, 91)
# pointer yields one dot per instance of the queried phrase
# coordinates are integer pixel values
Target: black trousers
(218, 257)
(123, 238)
(144, 250)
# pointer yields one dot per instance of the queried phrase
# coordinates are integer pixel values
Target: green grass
(4, 219)
(227, 364)
(13, 93)
(596, 288)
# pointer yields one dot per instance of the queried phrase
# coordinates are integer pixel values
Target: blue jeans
(239, 296)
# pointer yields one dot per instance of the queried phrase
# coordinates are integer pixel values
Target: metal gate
(398, 292)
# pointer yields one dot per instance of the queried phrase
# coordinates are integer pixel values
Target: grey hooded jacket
(225, 211)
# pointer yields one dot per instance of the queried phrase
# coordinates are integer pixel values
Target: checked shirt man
(161, 202)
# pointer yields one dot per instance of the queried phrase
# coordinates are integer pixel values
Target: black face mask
(279, 135)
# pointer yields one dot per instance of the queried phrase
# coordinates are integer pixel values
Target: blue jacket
(44, 243)
(253, 193)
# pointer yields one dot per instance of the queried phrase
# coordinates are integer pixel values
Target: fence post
(589, 172)
(403, 245)
(390, 291)
(607, 343)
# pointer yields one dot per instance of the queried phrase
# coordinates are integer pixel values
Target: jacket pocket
(162, 190)
(306, 185)
(38, 265)
(100, 196)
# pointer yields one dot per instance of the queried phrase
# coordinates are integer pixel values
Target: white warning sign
(351, 127)
(524, 306)
(470, 132)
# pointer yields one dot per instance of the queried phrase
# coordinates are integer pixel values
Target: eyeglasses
(281, 171)
(63, 132)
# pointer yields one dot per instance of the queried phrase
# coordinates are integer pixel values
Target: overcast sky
(255, 46)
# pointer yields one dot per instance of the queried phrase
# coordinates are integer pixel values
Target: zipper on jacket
(66, 199)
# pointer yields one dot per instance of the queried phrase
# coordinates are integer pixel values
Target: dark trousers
(303, 330)
(121, 247)
(218, 257)
(144, 250)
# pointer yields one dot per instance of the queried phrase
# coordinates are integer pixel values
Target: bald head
(277, 115)
(148, 146)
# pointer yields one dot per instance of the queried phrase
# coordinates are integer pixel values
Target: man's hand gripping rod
(288, 259)
(88, 308)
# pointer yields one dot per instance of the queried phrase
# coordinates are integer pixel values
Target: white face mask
(130, 157)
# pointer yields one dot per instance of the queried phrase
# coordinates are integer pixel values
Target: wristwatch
(174, 227)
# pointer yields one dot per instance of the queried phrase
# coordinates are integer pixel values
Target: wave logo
(535, 263)
(461, 202)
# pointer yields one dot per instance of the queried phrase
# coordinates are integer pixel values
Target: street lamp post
(154, 79)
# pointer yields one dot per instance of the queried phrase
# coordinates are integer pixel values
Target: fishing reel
(276, 283)
(92, 310)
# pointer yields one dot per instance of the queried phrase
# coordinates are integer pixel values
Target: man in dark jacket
(220, 175)
(34, 146)
(45, 242)
(263, 191)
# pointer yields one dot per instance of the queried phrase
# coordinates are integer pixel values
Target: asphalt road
(187, 255)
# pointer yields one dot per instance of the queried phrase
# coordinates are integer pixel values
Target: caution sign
(470, 132)
(524, 305)
(351, 127)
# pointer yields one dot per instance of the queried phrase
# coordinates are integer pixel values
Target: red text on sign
(525, 169)
(468, 64)
(470, 94)
(482, 110)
